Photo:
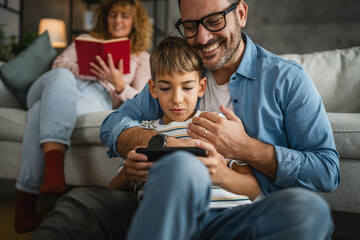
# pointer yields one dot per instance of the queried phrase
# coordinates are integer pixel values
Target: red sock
(26, 219)
(54, 178)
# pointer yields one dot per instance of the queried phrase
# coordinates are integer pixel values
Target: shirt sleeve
(130, 114)
(311, 160)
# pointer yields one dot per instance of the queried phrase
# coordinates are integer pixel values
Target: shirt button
(269, 190)
(233, 78)
(235, 101)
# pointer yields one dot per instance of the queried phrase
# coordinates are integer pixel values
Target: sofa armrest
(7, 99)
(346, 129)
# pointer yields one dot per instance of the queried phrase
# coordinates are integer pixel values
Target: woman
(60, 95)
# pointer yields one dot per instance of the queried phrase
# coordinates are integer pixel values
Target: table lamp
(56, 29)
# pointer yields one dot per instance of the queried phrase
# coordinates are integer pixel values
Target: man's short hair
(230, 1)
(174, 55)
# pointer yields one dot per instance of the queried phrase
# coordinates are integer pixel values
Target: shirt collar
(247, 66)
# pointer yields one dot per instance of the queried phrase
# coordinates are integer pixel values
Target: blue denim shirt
(278, 104)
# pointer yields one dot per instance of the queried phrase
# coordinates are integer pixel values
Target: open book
(87, 49)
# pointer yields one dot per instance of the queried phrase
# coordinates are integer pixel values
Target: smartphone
(155, 153)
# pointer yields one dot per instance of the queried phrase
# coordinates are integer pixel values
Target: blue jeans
(54, 102)
(175, 206)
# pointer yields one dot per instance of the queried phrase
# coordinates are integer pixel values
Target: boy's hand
(137, 166)
(214, 161)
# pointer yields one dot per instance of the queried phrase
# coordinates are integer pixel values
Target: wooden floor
(347, 225)
(8, 195)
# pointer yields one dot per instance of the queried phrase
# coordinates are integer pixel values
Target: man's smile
(211, 47)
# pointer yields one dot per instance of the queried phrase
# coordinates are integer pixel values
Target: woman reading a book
(60, 95)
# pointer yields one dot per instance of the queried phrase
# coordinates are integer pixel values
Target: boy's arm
(121, 182)
(135, 168)
(240, 180)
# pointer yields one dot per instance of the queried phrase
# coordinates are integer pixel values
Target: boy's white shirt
(220, 198)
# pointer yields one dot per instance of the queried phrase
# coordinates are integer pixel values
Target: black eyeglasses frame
(201, 21)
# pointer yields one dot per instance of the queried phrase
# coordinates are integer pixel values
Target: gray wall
(10, 20)
(281, 26)
(293, 26)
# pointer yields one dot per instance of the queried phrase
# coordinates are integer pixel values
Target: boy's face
(178, 94)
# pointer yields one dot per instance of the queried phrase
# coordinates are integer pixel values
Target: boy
(177, 83)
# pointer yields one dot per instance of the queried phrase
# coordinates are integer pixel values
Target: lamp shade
(56, 30)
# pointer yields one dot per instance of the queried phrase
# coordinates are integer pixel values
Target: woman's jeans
(175, 206)
(54, 101)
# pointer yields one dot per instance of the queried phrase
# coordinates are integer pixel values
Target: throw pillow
(19, 73)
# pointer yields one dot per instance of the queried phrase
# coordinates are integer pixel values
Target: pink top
(135, 80)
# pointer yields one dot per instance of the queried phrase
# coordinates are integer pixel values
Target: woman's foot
(54, 178)
(26, 219)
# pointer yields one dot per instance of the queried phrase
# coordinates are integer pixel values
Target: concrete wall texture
(281, 26)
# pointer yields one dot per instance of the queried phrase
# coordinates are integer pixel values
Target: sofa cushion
(87, 127)
(336, 74)
(7, 98)
(12, 124)
(346, 128)
(19, 73)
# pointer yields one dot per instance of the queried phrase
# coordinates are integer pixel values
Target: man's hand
(214, 161)
(227, 135)
(137, 166)
(230, 139)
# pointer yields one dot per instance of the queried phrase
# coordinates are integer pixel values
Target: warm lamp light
(56, 30)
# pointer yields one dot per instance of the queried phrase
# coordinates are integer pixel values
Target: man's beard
(230, 49)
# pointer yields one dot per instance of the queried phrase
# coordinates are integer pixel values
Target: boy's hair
(174, 55)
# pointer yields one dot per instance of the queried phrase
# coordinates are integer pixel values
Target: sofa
(86, 162)
(336, 74)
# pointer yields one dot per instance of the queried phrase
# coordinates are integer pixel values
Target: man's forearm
(260, 156)
(132, 137)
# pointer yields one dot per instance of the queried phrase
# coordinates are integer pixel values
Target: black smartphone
(155, 153)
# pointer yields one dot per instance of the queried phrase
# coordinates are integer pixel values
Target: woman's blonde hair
(142, 32)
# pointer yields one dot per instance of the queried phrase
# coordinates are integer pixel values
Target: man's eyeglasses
(213, 22)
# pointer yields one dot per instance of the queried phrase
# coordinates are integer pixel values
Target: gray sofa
(336, 75)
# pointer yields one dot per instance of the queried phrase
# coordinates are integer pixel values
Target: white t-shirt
(215, 95)
(220, 198)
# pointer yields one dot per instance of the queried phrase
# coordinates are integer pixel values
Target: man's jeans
(54, 101)
(175, 206)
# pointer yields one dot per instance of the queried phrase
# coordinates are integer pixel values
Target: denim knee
(64, 72)
(314, 210)
(183, 167)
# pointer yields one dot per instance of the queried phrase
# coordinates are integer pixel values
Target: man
(277, 125)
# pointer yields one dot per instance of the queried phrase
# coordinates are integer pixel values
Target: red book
(87, 49)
